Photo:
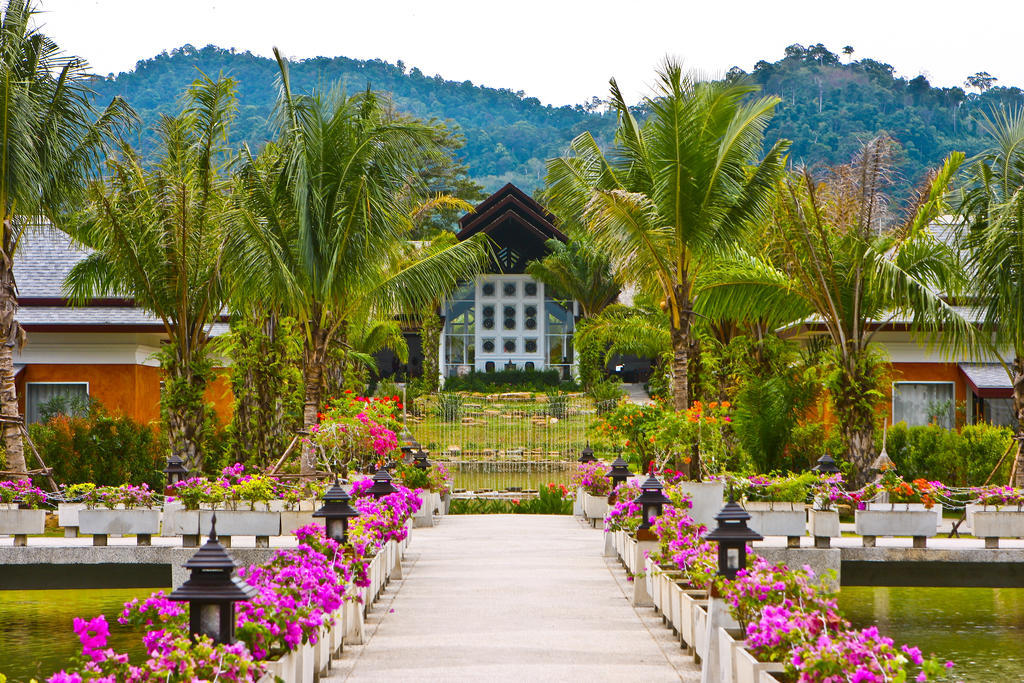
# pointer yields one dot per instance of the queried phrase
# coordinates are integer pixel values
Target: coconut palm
(157, 235)
(674, 191)
(50, 139)
(578, 272)
(839, 258)
(324, 214)
(993, 242)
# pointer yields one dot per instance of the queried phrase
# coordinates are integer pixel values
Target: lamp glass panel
(732, 558)
(209, 620)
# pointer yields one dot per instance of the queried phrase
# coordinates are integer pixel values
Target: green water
(36, 636)
(981, 629)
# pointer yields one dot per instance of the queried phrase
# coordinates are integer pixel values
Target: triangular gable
(510, 204)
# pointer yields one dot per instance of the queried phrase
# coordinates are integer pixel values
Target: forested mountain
(827, 106)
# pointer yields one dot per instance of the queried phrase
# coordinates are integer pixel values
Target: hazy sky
(556, 50)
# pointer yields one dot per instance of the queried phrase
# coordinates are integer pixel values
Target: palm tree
(674, 192)
(993, 240)
(838, 254)
(323, 219)
(50, 140)
(157, 234)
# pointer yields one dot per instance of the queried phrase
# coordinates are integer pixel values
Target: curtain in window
(921, 404)
(44, 400)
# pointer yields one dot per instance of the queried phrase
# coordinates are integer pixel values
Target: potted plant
(592, 484)
(910, 511)
(125, 509)
(20, 515)
(777, 505)
(823, 518)
(996, 513)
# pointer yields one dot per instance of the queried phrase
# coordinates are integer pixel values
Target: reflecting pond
(36, 634)
(981, 629)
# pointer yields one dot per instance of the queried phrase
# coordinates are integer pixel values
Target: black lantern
(587, 454)
(212, 591)
(382, 485)
(175, 470)
(826, 465)
(336, 512)
(619, 472)
(732, 535)
(420, 461)
(651, 501)
(410, 447)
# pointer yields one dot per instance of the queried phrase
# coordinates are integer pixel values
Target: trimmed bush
(963, 458)
(512, 380)
(100, 448)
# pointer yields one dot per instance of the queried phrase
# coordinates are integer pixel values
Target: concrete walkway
(511, 597)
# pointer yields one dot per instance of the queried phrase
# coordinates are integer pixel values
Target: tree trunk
(11, 335)
(184, 408)
(682, 348)
(430, 336)
(1018, 410)
(314, 357)
(855, 413)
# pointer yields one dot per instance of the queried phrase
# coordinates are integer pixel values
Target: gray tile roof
(986, 375)
(45, 257)
(42, 262)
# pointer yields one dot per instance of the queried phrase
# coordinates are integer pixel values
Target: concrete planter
(995, 524)
(728, 646)
(778, 519)
(67, 517)
(917, 523)
(437, 502)
(629, 553)
(577, 504)
(749, 670)
(282, 668)
(823, 525)
(22, 523)
(700, 631)
(100, 523)
(691, 601)
(595, 507)
(424, 517)
(652, 574)
(290, 521)
(707, 500)
(193, 524)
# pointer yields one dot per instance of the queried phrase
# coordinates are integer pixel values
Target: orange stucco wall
(132, 390)
(929, 372)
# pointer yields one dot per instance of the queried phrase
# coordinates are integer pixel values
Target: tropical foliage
(51, 139)
(157, 235)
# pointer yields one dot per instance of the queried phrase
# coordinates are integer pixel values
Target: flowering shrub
(110, 497)
(439, 478)
(766, 584)
(623, 514)
(23, 492)
(354, 428)
(860, 656)
(790, 488)
(591, 477)
(998, 496)
(297, 591)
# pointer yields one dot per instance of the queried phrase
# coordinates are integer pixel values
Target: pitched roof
(510, 204)
(988, 380)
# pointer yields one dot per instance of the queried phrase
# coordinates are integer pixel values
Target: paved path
(512, 597)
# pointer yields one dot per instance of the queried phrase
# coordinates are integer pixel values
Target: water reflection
(981, 629)
(36, 636)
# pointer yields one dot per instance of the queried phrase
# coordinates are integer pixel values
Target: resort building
(105, 350)
(505, 319)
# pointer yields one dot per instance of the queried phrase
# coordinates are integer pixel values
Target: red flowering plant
(355, 432)
(624, 513)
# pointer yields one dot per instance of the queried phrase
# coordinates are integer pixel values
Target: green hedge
(548, 502)
(100, 448)
(513, 380)
(963, 458)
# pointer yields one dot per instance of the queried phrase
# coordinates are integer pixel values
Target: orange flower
(687, 460)
(713, 405)
(710, 419)
(726, 404)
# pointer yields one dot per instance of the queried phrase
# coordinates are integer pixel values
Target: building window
(460, 332)
(43, 400)
(998, 411)
(923, 403)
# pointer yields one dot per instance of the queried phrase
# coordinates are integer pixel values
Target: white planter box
(437, 502)
(282, 668)
(137, 521)
(595, 507)
(67, 514)
(629, 546)
(707, 500)
(229, 523)
(577, 504)
(749, 670)
(700, 631)
(823, 523)
(651, 572)
(691, 601)
(290, 521)
(727, 647)
(22, 522)
(896, 522)
(777, 519)
(1005, 523)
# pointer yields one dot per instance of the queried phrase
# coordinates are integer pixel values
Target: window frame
(892, 398)
(88, 393)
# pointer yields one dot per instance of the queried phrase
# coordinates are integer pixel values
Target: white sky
(560, 51)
